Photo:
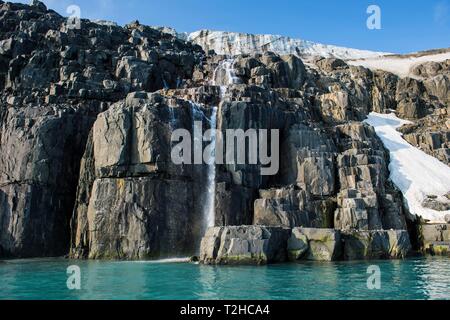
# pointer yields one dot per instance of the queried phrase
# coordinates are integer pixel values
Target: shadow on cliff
(5, 218)
(401, 181)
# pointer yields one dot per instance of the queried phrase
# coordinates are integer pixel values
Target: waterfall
(227, 77)
(231, 78)
(209, 205)
(210, 215)
(225, 70)
(197, 113)
(165, 84)
(173, 118)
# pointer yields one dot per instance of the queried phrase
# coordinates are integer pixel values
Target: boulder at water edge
(314, 244)
(244, 245)
(360, 245)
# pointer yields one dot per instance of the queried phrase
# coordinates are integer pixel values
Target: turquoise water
(46, 279)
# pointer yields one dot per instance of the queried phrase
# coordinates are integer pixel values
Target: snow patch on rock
(415, 173)
(399, 65)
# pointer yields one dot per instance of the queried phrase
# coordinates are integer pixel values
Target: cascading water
(210, 215)
(173, 118)
(231, 77)
(197, 113)
(165, 84)
(224, 75)
(228, 77)
(209, 206)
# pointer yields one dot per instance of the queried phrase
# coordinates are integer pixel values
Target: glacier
(233, 43)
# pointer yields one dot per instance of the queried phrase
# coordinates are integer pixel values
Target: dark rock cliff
(86, 118)
(54, 82)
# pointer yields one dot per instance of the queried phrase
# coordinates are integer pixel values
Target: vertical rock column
(133, 201)
(40, 148)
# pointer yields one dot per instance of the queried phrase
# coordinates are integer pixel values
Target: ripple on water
(427, 278)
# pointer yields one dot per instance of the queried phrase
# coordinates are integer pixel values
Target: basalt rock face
(87, 118)
(39, 168)
(431, 133)
(315, 244)
(133, 201)
(256, 245)
(55, 80)
(244, 245)
(290, 207)
(360, 245)
(436, 238)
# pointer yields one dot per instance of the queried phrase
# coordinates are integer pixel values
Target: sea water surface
(424, 278)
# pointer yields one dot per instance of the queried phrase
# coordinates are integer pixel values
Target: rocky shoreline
(86, 118)
(262, 245)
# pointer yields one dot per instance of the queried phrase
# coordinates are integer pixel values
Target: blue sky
(407, 25)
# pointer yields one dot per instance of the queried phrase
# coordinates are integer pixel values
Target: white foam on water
(163, 261)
